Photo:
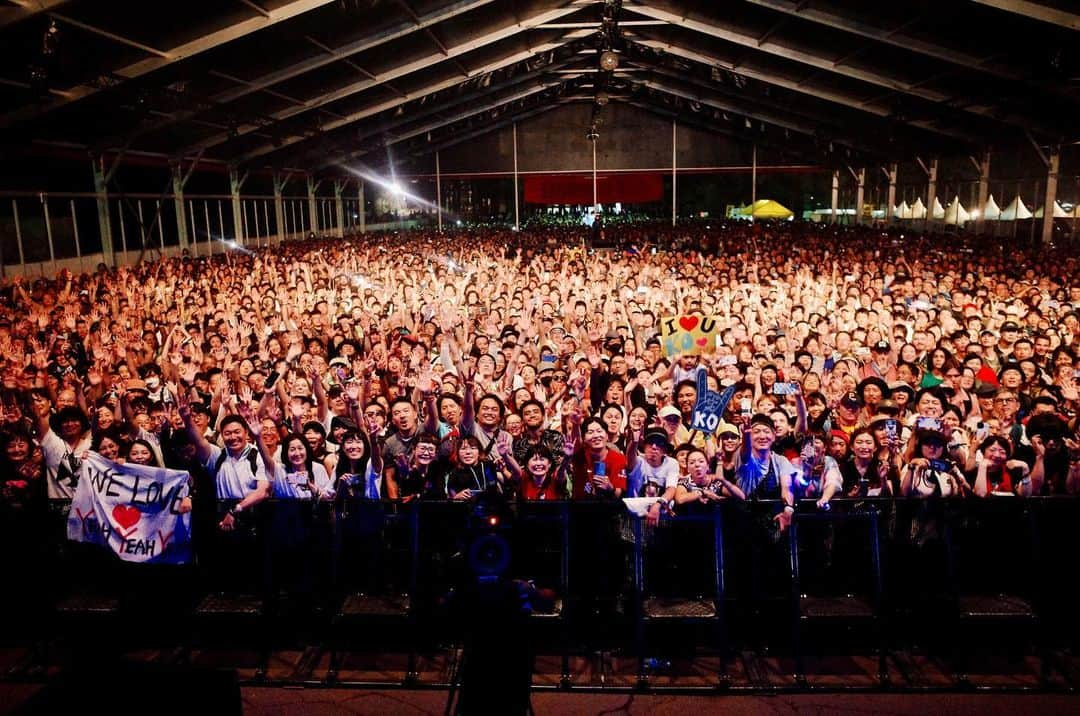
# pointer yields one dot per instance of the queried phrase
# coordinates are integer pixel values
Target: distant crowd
(423, 366)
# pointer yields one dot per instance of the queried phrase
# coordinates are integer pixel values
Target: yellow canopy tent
(766, 209)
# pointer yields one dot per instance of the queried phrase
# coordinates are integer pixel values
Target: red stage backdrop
(610, 188)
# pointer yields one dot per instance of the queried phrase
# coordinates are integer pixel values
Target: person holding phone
(599, 472)
(931, 473)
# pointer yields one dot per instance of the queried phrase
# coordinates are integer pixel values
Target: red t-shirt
(615, 462)
(531, 491)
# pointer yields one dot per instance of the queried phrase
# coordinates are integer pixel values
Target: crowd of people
(419, 366)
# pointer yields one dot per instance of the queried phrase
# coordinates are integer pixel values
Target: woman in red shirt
(539, 480)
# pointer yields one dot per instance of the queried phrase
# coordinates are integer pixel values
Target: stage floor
(606, 684)
(265, 701)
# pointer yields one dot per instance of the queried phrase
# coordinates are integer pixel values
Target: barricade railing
(439, 533)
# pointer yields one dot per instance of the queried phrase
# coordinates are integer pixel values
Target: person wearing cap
(729, 441)
(846, 414)
(652, 473)
(764, 474)
(881, 363)
(1010, 331)
(671, 421)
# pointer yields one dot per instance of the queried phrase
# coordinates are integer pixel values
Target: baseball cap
(882, 346)
(850, 400)
(669, 411)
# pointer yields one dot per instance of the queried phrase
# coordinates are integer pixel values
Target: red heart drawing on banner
(688, 322)
(126, 516)
(702, 341)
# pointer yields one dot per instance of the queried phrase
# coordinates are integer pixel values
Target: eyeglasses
(1005, 400)
(558, 377)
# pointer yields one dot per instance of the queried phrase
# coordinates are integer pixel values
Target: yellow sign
(692, 333)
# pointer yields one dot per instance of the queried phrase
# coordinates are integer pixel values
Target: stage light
(608, 61)
(602, 98)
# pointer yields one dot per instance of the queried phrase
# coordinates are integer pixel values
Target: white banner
(133, 510)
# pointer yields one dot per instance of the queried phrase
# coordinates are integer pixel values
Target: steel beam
(907, 41)
(399, 70)
(24, 9)
(202, 43)
(847, 100)
(434, 107)
(1037, 11)
(443, 121)
(812, 59)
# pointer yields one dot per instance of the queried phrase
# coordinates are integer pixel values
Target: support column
(860, 195)
(753, 182)
(438, 186)
(236, 182)
(104, 217)
(891, 173)
(674, 169)
(835, 195)
(48, 230)
(339, 209)
(931, 192)
(517, 215)
(1051, 195)
(313, 207)
(279, 204)
(984, 193)
(596, 211)
(363, 210)
(179, 209)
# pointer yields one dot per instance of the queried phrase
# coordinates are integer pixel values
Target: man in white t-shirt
(238, 469)
(62, 448)
(653, 473)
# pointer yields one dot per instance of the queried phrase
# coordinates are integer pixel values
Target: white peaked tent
(1059, 212)
(1015, 210)
(903, 211)
(939, 210)
(955, 213)
(992, 212)
(918, 209)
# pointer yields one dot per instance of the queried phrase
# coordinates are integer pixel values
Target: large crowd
(419, 366)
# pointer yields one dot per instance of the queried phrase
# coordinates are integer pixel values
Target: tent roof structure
(311, 84)
(766, 209)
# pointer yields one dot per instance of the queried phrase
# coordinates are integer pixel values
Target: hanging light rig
(607, 40)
